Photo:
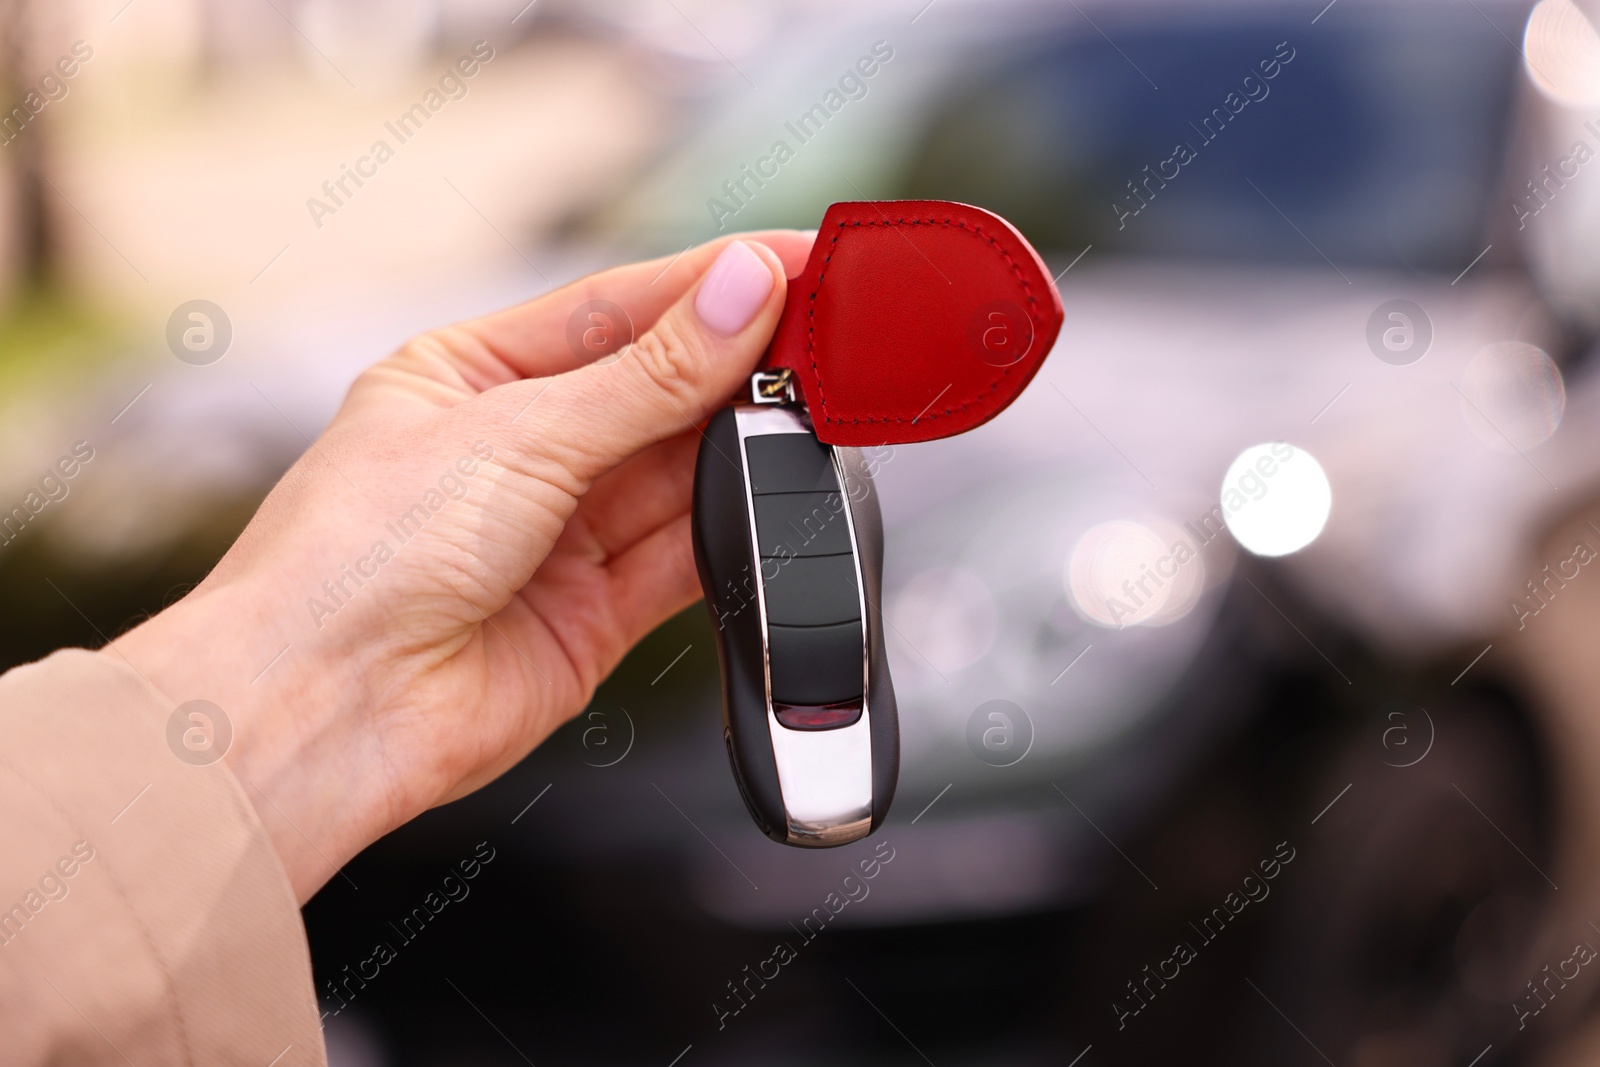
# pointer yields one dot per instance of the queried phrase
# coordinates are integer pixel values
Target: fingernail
(734, 289)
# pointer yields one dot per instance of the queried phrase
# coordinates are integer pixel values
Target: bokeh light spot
(1275, 499)
(1125, 573)
(1512, 396)
(1562, 54)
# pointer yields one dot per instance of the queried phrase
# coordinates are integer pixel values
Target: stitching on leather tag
(811, 317)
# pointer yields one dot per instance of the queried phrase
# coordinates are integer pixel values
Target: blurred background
(1341, 751)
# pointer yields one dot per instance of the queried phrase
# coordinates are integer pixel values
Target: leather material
(914, 320)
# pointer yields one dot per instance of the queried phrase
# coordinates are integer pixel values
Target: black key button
(802, 524)
(789, 463)
(816, 665)
(810, 590)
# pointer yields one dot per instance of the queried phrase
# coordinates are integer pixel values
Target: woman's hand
(478, 537)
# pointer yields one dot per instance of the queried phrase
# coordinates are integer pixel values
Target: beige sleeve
(144, 916)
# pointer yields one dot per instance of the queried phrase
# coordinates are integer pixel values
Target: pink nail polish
(734, 289)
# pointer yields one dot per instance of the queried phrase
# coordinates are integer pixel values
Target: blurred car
(1226, 306)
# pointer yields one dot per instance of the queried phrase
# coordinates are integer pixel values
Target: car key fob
(913, 320)
(790, 549)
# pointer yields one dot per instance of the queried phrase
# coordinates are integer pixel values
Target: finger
(645, 493)
(530, 340)
(699, 353)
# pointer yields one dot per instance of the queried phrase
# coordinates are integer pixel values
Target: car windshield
(1379, 138)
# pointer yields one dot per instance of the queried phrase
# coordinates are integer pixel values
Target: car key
(789, 544)
(913, 320)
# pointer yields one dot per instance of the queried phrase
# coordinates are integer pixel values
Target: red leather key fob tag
(914, 320)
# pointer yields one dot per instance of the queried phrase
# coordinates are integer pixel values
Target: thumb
(671, 378)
